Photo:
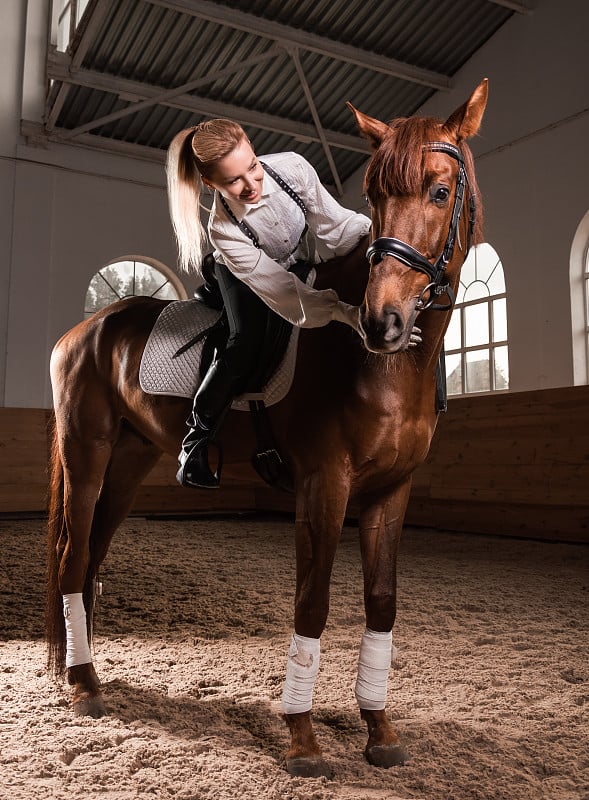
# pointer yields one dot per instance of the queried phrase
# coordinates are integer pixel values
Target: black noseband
(408, 255)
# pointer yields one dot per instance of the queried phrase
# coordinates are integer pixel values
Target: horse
(357, 421)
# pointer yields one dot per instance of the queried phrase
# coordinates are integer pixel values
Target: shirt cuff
(349, 315)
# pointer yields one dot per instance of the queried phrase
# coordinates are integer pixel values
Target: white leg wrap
(78, 649)
(373, 669)
(302, 667)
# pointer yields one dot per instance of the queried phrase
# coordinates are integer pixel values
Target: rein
(408, 255)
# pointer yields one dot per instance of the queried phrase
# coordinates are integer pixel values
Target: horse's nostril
(393, 322)
(390, 311)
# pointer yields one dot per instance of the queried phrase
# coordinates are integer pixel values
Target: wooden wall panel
(24, 457)
(515, 464)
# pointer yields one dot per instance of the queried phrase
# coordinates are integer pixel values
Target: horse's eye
(440, 194)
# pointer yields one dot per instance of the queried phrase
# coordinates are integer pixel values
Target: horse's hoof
(89, 705)
(308, 767)
(386, 755)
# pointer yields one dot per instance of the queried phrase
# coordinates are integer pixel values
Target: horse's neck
(433, 325)
(348, 275)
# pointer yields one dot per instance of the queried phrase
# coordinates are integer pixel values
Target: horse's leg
(380, 532)
(321, 506)
(85, 458)
(131, 459)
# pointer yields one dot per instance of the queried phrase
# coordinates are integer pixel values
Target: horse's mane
(398, 165)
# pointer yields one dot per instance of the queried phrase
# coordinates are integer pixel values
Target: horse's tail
(56, 540)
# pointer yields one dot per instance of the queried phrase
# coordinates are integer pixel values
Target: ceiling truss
(66, 70)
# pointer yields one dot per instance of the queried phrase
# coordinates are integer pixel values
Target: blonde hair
(192, 155)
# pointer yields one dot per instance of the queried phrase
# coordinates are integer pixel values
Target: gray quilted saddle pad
(178, 323)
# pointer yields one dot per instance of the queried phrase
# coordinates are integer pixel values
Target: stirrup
(194, 471)
(271, 468)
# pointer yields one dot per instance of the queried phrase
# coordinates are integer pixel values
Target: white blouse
(278, 223)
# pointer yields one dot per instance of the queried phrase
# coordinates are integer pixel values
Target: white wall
(67, 225)
(533, 171)
(11, 46)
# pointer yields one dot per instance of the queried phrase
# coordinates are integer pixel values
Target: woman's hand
(415, 337)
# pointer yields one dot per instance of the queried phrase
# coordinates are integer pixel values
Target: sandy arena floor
(489, 692)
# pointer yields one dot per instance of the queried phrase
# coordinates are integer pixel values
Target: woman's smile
(250, 196)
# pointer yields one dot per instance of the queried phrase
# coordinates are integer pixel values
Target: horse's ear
(372, 129)
(466, 120)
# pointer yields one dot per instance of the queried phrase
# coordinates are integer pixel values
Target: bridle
(438, 285)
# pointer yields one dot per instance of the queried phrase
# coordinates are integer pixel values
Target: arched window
(476, 339)
(586, 306)
(579, 287)
(130, 278)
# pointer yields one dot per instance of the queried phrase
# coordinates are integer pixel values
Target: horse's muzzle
(386, 332)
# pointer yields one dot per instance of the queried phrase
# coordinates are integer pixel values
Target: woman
(261, 214)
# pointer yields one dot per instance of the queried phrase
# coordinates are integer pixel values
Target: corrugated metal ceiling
(114, 87)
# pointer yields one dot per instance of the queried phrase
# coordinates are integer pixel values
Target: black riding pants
(228, 374)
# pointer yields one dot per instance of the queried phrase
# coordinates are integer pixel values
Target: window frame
(170, 277)
(490, 346)
(585, 279)
(579, 297)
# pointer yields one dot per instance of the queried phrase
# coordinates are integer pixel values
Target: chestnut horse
(357, 421)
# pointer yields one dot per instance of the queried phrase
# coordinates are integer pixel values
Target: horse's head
(421, 186)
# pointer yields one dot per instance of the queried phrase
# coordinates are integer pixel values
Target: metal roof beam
(93, 18)
(288, 36)
(294, 54)
(97, 14)
(166, 96)
(521, 6)
(58, 70)
(37, 135)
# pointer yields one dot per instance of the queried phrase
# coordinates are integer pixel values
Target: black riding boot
(193, 460)
(226, 378)
(212, 400)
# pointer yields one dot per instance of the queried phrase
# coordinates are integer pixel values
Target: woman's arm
(281, 290)
(337, 227)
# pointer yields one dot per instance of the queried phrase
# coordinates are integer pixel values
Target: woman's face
(238, 175)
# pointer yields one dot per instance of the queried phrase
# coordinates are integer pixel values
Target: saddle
(187, 337)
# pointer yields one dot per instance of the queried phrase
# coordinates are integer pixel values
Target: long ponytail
(193, 153)
(184, 191)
